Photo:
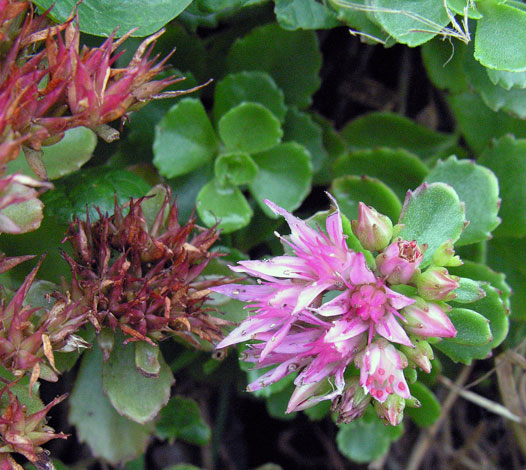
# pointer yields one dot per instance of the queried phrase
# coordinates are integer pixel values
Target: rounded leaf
(225, 205)
(432, 214)
(350, 190)
(304, 14)
(478, 188)
(499, 41)
(184, 139)
(102, 17)
(235, 168)
(254, 87)
(472, 328)
(284, 177)
(292, 58)
(249, 127)
(429, 412)
(398, 169)
(506, 158)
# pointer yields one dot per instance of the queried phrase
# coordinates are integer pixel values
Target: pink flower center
(409, 251)
(369, 302)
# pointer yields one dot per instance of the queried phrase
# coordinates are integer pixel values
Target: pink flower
(437, 284)
(373, 229)
(381, 370)
(399, 261)
(428, 319)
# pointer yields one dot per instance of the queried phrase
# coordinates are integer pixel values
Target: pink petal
(391, 330)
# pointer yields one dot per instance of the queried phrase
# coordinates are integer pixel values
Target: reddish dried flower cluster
(64, 86)
(144, 279)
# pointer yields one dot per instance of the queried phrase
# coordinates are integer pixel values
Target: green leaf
(468, 291)
(509, 256)
(181, 419)
(392, 130)
(184, 139)
(407, 20)
(469, 108)
(223, 204)
(109, 435)
(249, 127)
(350, 190)
(277, 404)
(292, 58)
(301, 128)
(481, 272)
(458, 7)
(153, 203)
(367, 438)
(335, 147)
(26, 215)
(32, 401)
(430, 410)
(478, 189)
(499, 39)
(102, 17)
(507, 80)
(505, 157)
(472, 328)
(319, 411)
(284, 177)
(90, 188)
(432, 214)
(304, 14)
(492, 308)
(398, 169)
(133, 395)
(443, 61)
(254, 87)
(64, 157)
(356, 16)
(147, 359)
(512, 101)
(235, 168)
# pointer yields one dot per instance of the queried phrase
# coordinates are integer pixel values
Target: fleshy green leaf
(459, 6)
(499, 38)
(109, 435)
(64, 157)
(184, 139)
(301, 128)
(350, 190)
(367, 438)
(292, 58)
(477, 188)
(181, 419)
(102, 17)
(147, 359)
(509, 256)
(133, 395)
(235, 168)
(26, 215)
(432, 214)
(512, 101)
(468, 291)
(491, 307)
(304, 14)
(469, 108)
(443, 61)
(406, 20)
(249, 127)
(398, 169)
(224, 204)
(335, 147)
(284, 177)
(254, 87)
(505, 157)
(395, 131)
(277, 404)
(472, 328)
(429, 412)
(90, 188)
(507, 80)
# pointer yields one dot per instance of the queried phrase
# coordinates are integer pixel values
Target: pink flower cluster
(324, 313)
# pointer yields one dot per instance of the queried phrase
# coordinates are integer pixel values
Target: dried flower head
(145, 279)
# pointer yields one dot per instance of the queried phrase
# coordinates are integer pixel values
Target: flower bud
(391, 409)
(437, 284)
(353, 403)
(445, 255)
(399, 261)
(428, 319)
(420, 355)
(373, 229)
